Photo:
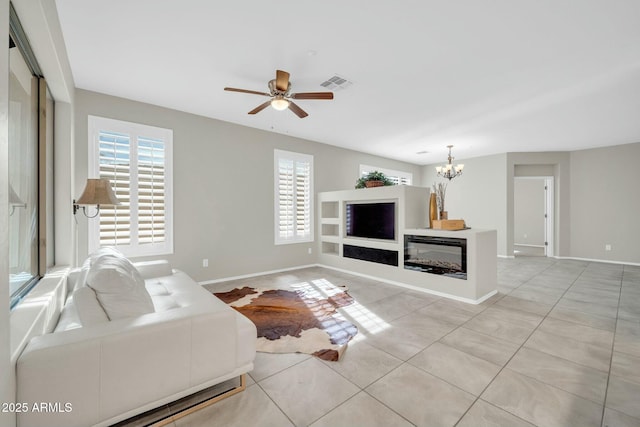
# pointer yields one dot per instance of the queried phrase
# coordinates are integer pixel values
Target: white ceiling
(486, 76)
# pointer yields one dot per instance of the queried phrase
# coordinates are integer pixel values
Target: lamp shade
(98, 192)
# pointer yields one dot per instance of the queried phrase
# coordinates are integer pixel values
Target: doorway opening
(533, 216)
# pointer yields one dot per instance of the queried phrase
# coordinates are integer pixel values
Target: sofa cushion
(154, 269)
(119, 287)
(164, 303)
(89, 310)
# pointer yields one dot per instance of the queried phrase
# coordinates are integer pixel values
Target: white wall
(591, 208)
(479, 196)
(223, 186)
(605, 203)
(540, 164)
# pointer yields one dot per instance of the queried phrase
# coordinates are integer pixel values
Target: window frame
(134, 130)
(295, 157)
(43, 108)
(390, 173)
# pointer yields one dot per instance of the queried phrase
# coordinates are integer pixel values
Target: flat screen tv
(371, 220)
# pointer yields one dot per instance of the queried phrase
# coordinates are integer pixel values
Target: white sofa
(106, 371)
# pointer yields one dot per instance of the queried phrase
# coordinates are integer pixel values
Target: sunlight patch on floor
(364, 318)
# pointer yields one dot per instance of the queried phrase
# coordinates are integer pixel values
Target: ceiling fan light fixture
(280, 95)
(279, 103)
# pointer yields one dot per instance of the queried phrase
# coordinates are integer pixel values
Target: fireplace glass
(436, 255)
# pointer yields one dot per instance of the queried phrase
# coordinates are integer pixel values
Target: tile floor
(558, 346)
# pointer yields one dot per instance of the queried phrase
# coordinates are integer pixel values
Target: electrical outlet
(525, 235)
(607, 247)
(310, 251)
(205, 262)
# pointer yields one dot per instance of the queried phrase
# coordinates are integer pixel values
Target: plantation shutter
(136, 159)
(294, 197)
(150, 191)
(286, 216)
(303, 199)
(115, 165)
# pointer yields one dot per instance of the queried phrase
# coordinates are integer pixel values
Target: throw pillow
(89, 310)
(119, 287)
(106, 250)
(93, 256)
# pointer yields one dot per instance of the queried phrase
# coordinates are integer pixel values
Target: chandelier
(449, 171)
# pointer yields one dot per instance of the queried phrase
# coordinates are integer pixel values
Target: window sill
(38, 311)
(293, 242)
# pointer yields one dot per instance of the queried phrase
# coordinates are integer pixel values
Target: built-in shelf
(411, 219)
(330, 209)
(331, 239)
(330, 221)
(330, 230)
(329, 248)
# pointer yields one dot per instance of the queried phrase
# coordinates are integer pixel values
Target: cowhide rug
(304, 319)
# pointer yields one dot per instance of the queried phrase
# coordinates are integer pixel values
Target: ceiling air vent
(336, 83)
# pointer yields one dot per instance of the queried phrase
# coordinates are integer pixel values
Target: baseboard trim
(366, 276)
(604, 261)
(413, 288)
(506, 256)
(250, 275)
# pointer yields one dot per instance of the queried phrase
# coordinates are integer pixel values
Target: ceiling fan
(281, 96)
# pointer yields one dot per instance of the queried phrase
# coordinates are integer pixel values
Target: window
(398, 177)
(137, 160)
(293, 180)
(30, 146)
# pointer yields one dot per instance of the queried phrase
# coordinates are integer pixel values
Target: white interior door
(533, 216)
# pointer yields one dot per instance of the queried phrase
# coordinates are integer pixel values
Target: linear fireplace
(436, 255)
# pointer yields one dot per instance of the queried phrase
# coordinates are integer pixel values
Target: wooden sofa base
(203, 404)
(158, 417)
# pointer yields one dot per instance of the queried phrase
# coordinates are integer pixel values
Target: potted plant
(373, 179)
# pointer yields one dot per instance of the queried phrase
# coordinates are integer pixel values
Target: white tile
(541, 404)
(307, 391)
(492, 349)
(267, 364)
(362, 410)
(623, 396)
(363, 364)
(461, 369)
(421, 398)
(577, 379)
(483, 414)
(252, 407)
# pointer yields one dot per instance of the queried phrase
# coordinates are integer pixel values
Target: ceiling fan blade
(260, 107)
(233, 89)
(313, 95)
(282, 80)
(297, 110)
